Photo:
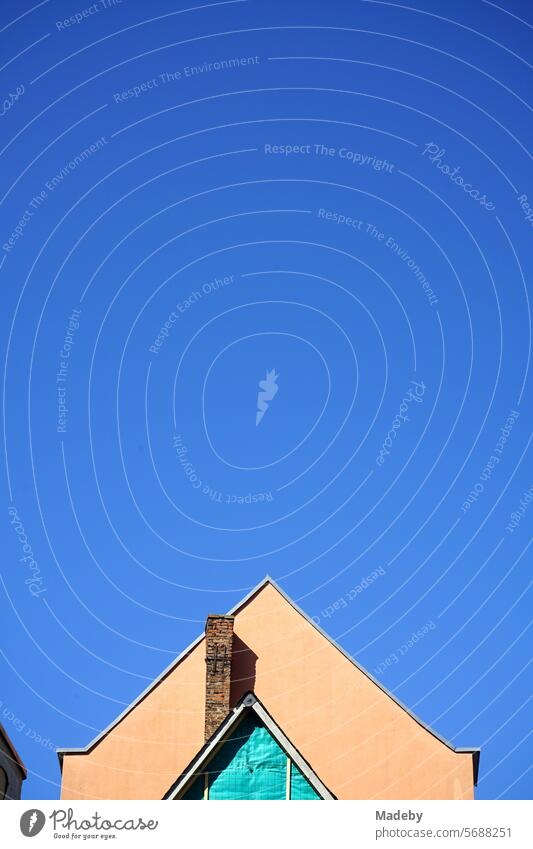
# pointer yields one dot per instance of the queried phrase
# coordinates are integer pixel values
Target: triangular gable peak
(347, 724)
(201, 764)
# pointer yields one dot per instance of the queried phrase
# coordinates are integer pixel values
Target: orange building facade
(355, 738)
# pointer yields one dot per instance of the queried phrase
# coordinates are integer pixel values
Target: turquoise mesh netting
(251, 765)
(300, 787)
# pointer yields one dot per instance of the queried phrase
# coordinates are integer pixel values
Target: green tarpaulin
(251, 765)
(300, 787)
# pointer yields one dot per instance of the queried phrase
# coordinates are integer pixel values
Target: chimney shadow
(243, 665)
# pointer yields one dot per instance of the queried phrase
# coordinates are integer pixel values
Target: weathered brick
(218, 652)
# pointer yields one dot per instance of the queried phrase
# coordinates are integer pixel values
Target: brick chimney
(218, 651)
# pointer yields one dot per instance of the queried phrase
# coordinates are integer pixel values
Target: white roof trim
(248, 702)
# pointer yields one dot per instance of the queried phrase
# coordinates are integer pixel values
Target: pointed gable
(248, 757)
(358, 738)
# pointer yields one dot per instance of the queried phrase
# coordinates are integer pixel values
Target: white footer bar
(265, 824)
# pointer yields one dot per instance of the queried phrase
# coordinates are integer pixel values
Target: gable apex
(249, 702)
(255, 591)
(267, 580)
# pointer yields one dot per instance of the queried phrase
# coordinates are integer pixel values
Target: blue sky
(331, 199)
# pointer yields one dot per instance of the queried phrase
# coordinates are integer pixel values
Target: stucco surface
(356, 738)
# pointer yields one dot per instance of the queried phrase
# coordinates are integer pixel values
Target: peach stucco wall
(357, 739)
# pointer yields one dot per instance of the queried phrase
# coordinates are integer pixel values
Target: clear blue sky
(337, 192)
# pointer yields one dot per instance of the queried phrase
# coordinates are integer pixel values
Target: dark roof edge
(462, 750)
(475, 760)
(248, 702)
(266, 580)
(16, 757)
(82, 750)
